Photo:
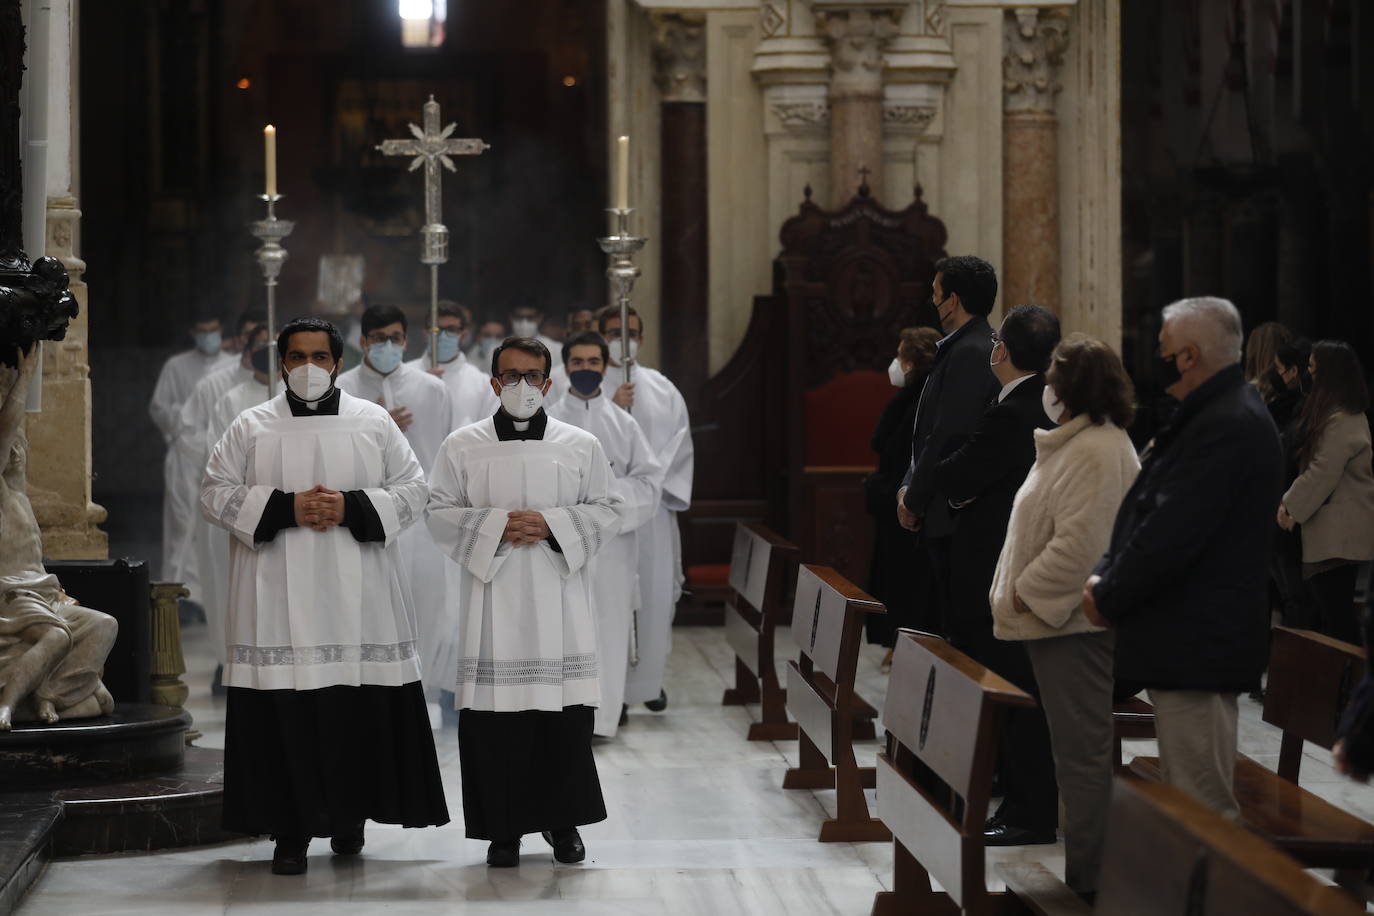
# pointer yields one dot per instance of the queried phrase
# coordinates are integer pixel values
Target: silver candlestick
(270, 257)
(622, 247)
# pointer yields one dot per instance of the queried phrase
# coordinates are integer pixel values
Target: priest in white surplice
(523, 503)
(175, 383)
(638, 480)
(326, 723)
(660, 411)
(419, 403)
(469, 385)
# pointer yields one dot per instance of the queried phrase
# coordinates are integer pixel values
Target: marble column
(1035, 41)
(679, 50)
(60, 466)
(857, 36)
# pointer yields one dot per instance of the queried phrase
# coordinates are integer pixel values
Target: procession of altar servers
(636, 581)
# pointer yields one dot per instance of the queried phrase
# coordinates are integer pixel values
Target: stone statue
(52, 650)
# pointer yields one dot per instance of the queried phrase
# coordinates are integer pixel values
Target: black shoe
(503, 853)
(658, 705)
(567, 845)
(1004, 834)
(624, 714)
(348, 844)
(217, 688)
(289, 856)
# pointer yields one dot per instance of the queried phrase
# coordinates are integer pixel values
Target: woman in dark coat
(898, 576)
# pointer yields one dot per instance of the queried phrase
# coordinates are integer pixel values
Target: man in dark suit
(1184, 579)
(959, 387)
(980, 480)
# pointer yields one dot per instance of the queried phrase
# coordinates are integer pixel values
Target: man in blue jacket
(960, 386)
(1183, 581)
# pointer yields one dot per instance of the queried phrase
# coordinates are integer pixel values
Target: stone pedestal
(1035, 43)
(60, 436)
(680, 71)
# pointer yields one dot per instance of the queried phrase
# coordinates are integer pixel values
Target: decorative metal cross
(431, 147)
(863, 174)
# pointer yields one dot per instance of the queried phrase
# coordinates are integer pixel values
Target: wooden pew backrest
(750, 562)
(1167, 853)
(818, 617)
(1311, 677)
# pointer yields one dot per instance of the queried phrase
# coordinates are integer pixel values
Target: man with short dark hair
(638, 482)
(326, 724)
(469, 387)
(420, 405)
(528, 321)
(522, 503)
(958, 389)
(980, 480)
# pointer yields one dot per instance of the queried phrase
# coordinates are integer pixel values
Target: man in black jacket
(958, 389)
(980, 480)
(1184, 579)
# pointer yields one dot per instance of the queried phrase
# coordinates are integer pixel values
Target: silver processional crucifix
(431, 147)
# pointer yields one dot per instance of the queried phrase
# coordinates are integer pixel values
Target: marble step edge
(25, 846)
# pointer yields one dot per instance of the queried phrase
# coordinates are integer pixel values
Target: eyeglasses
(510, 378)
(375, 338)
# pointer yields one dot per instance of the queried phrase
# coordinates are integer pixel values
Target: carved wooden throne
(782, 431)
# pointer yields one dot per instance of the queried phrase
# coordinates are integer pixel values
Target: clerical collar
(506, 431)
(327, 406)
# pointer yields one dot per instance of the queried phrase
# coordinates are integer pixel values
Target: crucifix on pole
(432, 147)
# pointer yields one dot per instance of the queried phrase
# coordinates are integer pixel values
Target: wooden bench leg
(746, 689)
(815, 772)
(911, 891)
(773, 724)
(852, 823)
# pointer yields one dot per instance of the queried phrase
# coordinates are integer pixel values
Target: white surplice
(469, 389)
(526, 636)
(431, 411)
(175, 384)
(638, 478)
(313, 609)
(661, 412)
(212, 541)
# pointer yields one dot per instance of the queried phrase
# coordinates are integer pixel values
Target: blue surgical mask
(585, 381)
(488, 346)
(448, 346)
(209, 342)
(385, 357)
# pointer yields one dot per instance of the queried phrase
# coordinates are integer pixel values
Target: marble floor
(698, 825)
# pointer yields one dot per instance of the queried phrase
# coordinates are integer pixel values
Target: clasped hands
(319, 508)
(525, 527)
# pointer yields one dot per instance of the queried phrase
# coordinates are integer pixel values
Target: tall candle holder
(622, 247)
(271, 256)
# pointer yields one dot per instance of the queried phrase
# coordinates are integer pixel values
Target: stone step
(26, 829)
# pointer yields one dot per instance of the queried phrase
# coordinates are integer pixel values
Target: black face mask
(259, 359)
(1276, 380)
(585, 381)
(1166, 370)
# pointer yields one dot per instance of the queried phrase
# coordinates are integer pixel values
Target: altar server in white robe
(638, 479)
(523, 503)
(420, 405)
(659, 409)
(212, 541)
(469, 385)
(326, 723)
(175, 383)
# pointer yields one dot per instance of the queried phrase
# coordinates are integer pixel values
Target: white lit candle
(622, 173)
(269, 139)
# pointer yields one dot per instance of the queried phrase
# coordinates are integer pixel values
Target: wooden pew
(942, 719)
(760, 566)
(1168, 855)
(827, 626)
(1311, 677)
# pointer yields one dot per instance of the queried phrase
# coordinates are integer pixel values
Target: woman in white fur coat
(1060, 526)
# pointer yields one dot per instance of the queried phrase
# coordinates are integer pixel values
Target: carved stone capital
(1035, 42)
(857, 38)
(679, 48)
(908, 119)
(802, 116)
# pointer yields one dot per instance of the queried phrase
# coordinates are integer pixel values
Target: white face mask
(522, 401)
(1054, 408)
(524, 327)
(895, 375)
(614, 344)
(309, 382)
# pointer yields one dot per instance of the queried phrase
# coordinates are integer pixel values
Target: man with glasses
(420, 405)
(980, 481)
(522, 503)
(469, 387)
